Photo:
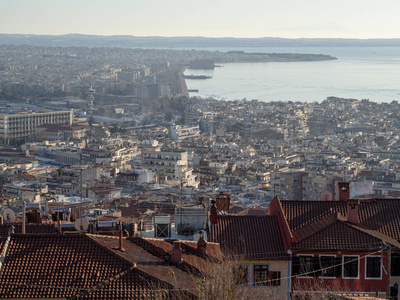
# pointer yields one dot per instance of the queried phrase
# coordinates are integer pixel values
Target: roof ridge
(284, 217)
(318, 225)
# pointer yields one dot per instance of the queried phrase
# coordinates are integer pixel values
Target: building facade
(19, 125)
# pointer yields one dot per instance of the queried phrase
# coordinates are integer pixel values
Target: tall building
(171, 164)
(22, 124)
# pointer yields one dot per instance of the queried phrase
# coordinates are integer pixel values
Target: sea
(358, 73)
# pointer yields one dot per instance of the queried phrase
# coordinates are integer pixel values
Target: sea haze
(359, 72)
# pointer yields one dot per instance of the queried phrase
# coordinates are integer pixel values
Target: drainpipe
(289, 274)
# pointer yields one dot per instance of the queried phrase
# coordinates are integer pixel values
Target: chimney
(176, 252)
(344, 191)
(201, 243)
(213, 214)
(352, 211)
(120, 241)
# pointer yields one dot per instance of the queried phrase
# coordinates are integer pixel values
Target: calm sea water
(359, 72)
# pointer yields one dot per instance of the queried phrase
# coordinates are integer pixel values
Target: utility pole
(389, 270)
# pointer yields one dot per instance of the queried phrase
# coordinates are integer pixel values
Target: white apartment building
(181, 132)
(172, 164)
(22, 124)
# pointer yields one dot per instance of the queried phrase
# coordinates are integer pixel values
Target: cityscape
(118, 181)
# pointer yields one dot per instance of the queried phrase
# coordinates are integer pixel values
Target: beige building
(313, 185)
(179, 133)
(287, 185)
(19, 125)
(53, 132)
(171, 164)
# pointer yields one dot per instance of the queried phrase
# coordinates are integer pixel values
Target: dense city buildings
(112, 149)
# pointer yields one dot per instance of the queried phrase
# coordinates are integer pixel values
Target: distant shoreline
(127, 41)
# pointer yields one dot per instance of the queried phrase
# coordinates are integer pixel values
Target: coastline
(183, 90)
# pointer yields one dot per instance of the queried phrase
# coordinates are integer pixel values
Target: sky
(208, 18)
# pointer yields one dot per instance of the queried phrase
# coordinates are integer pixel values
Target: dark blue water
(359, 73)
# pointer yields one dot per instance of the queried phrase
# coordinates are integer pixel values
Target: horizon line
(206, 37)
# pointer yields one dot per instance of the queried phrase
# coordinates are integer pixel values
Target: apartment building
(22, 124)
(313, 185)
(287, 185)
(171, 164)
(179, 133)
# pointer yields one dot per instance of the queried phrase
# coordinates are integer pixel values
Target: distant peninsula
(209, 57)
(197, 43)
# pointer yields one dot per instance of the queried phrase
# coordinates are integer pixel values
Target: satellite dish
(325, 196)
(81, 224)
(8, 215)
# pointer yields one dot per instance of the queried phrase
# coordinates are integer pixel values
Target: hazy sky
(213, 18)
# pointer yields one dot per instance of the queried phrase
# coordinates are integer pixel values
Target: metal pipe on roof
(23, 217)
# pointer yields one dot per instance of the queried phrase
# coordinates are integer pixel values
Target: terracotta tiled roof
(253, 212)
(343, 236)
(30, 228)
(28, 176)
(255, 237)
(147, 258)
(2, 244)
(190, 255)
(55, 266)
(88, 267)
(381, 215)
(301, 213)
(136, 284)
(310, 229)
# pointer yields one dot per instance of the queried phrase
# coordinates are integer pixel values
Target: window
(260, 274)
(240, 274)
(327, 266)
(306, 265)
(350, 267)
(274, 278)
(395, 264)
(373, 265)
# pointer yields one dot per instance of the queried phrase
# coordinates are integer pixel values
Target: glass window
(373, 267)
(306, 265)
(274, 278)
(260, 274)
(395, 264)
(327, 266)
(350, 268)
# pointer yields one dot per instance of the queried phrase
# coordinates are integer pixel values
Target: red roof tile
(30, 228)
(147, 258)
(342, 236)
(55, 266)
(381, 215)
(254, 237)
